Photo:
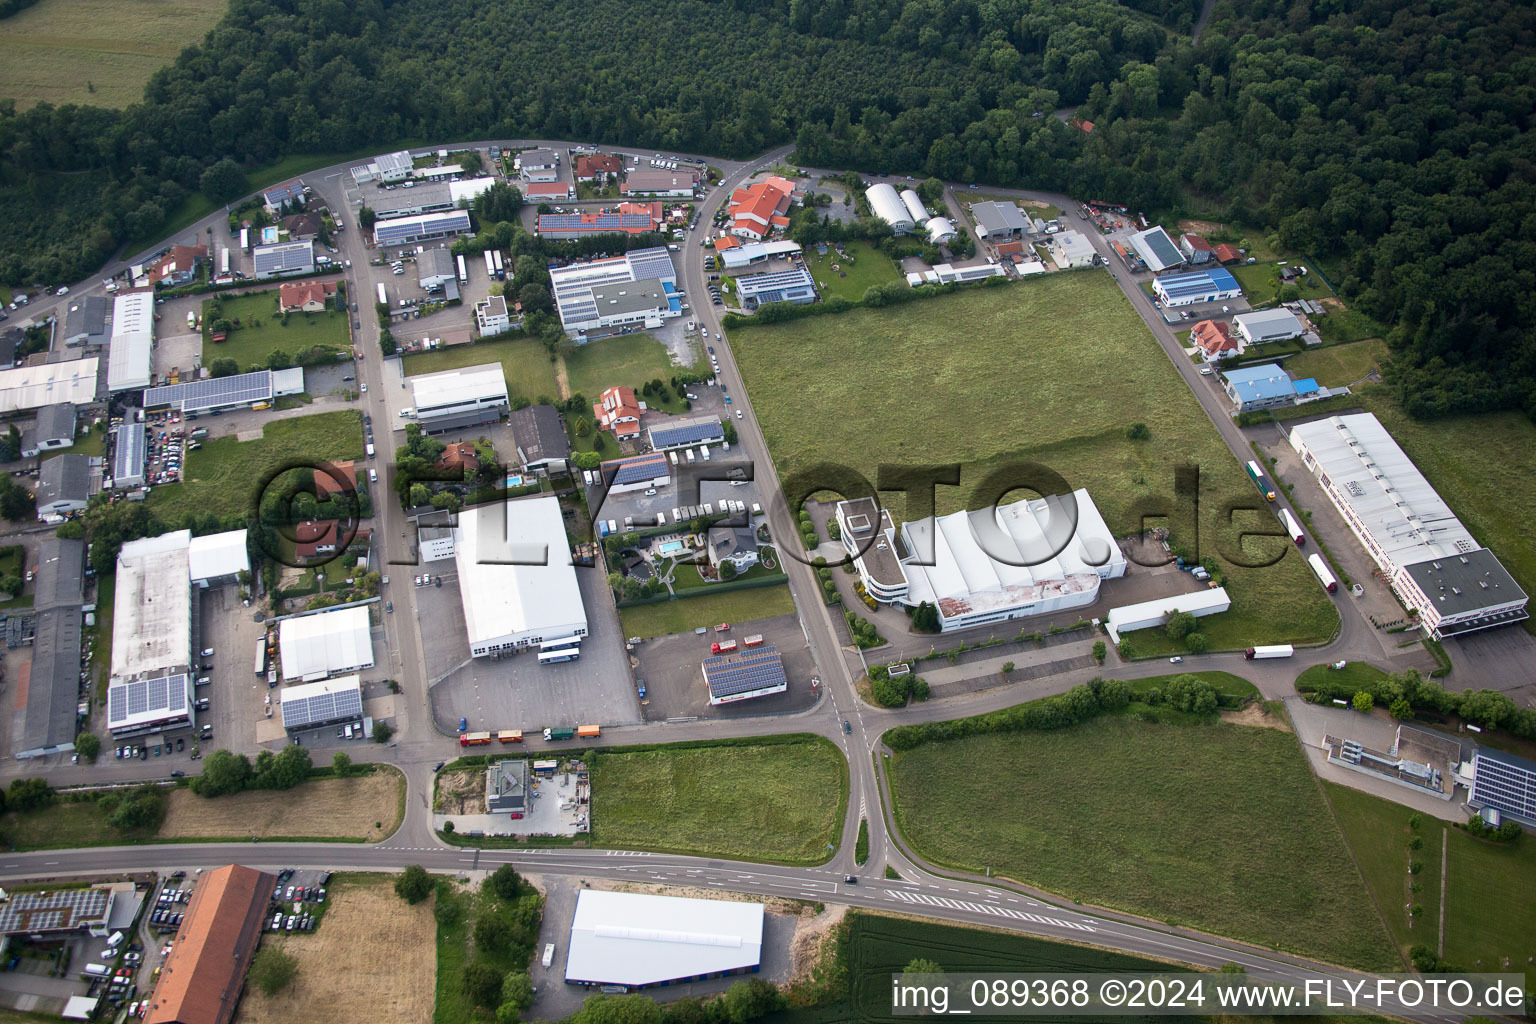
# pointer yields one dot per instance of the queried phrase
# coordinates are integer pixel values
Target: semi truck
(1323, 575)
(722, 648)
(1260, 480)
(474, 739)
(559, 732)
(589, 732)
(1271, 651)
(1292, 528)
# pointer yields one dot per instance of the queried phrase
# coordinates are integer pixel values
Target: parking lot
(696, 483)
(516, 692)
(674, 678)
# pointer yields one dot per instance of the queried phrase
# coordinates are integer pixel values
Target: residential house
(538, 165)
(301, 227)
(734, 544)
(598, 168)
(1214, 340)
(756, 211)
(278, 197)
(618, 412)
(178, 267)
(335, 480)
(491, 316)
(304, 296)
(315, 538)
(456, 458)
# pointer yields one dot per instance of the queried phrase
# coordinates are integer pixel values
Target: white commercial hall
(516, 579)
(640, 941)
(325, 643)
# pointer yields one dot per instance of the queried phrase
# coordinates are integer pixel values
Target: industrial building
(950, 274)
(1032, 557)
(49, 703)
(506, 787)
(285, 259)
(32, 387)
(1070, 249)
(319, 704)
(667, 184)
(453, 399)
(575, 287)
(205, 970)
(737, 256)
(636, 473)
(1156, 249)
(152, 641)
(217, 559)
(243, 390)
(915, 208)
(941, 230)
(421, 228)
(516, 579)
(63, 485)
(491, 316)
(435, 267)
(1000, 221)
(753, 672)
(428, 197)
(885, 203)
(629, 219)
(86, 321)
(1214, 285)
(133, 341)
(387, 169)
(542, 444)
(323, 644)
(1432, 561)
(794, 286)
(128, 451)
(628, 304)
(685, 432)
(638, 940)
(1150, 614)
(54, 430)
(1196, 249)
(1267, 325)
(1503, 784)
(1265, 387)
(70, 910)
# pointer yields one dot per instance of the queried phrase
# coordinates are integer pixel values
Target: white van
(373, 476)
(97, 971)
(349, 732)
(549, 954)
(115, 939)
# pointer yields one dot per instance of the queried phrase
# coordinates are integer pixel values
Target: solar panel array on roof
(647, 467)
(325, 705)
(283, 258)
(693, 432)
(1506, 783)
(653, 264)
(595, 223)
(53, 910)
(756, 669)
(128, 455)
(212, 392)
(410, 229)
(146, 700)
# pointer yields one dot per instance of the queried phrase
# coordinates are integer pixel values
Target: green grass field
(1337, 365)
(869, 266)
(1341, 326)
(1356, 673)
(1378, 833)
(455, 948)
(249, 346)
(96, 52)
(1216, 826)
(685, 614)
(524, 362)
(991, 377)
(628, 360)
(224, 476)
(726, 800)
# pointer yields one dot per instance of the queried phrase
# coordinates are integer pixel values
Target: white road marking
(986, 908)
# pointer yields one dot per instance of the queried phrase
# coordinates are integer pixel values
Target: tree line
(1390, 141)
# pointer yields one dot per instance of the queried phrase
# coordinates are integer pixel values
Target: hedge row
(1404, 693)
(713, 588)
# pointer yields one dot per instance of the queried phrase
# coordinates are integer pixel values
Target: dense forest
(1388, 140)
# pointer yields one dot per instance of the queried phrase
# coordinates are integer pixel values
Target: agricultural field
(1337, 365)
(686, 614)
(341, 976)
(957, 366)
(251, 345)
(223, 477)
(869, 266)
(319, 809)
(524, 362)
(726, 800)
(1201, 824)
(96, 52)
(628, 360)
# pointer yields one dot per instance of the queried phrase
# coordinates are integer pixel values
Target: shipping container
(589, 732)
(1272, 651)
(1323, 575)
(1292, 528)
(510, 736)
(474, 739)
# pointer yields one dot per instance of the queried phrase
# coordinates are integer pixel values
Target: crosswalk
(985, 908)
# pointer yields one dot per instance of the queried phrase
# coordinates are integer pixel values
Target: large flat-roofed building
(48, 704)
(1149, 614)
(575, 288)
(243, 390)
(1504, 783)
(639, 940)
(32, 387)
(285, 259)
(685, 432)
(128, 451)
(420, 228)
(516, 579)
(1032, 557)
(1267, 325)
(427, 197)
(1071, 249)
(133, 341)
(542, 445)
(1429, 557)
(1000, 221)
(671, 184)
(151, 635)
(454, 399)
(86, 321)
(737, 256)
(205, 970)
(491, 316)
(506, 787)
(629, 303)
(754, 672)
(61, 911)
(319, 704)
(216, 559)
(1156, 249)
(1214, 285)
(637, 473)
(795, 286)
(389, 168)
(323, 644)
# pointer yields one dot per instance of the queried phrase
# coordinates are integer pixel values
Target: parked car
(208, 652)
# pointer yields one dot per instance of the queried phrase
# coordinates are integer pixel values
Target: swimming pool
(514, 481)
(671, 547)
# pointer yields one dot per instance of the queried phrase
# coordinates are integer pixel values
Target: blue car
(463, 725)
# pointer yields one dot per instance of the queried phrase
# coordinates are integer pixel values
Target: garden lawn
(1206, 825)
(628, 360)
(993, 376)
(870, 266)
(1337, 365)
(727, 800)
(524, 362)
(250, 346)
(683, 615)
(225, 476)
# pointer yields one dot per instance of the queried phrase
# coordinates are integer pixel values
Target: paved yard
(674, 678)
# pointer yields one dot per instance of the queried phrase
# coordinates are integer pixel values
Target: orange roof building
(179, 266)
(203, 975)
(304, 296)
(458, 457)
(758, 209)
(1214, 339)
(597, 167)
(1227, 253)
(1010, 248)
(328, 484)
(618, 412)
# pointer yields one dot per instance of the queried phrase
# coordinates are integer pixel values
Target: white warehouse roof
(152, 606)
(315, 646)
(635, 939)
(515, 577)
(32, 387)
(457, 387)
(887, 205)
(1152, 613)
(133, 341)
(216, 555)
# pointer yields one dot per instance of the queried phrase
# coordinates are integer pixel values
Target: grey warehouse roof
(56, 422)
(128, 452)
(64, 477)
(1466, 582)
(538, 433)
(48, 722)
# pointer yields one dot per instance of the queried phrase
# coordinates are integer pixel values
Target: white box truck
(704, 452)
(674, 457)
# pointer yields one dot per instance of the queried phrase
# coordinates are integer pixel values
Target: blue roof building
(796, 286)
(637, 473)
(1215, 285)
(1504, 783)
(686, 433)
(1263, 387)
